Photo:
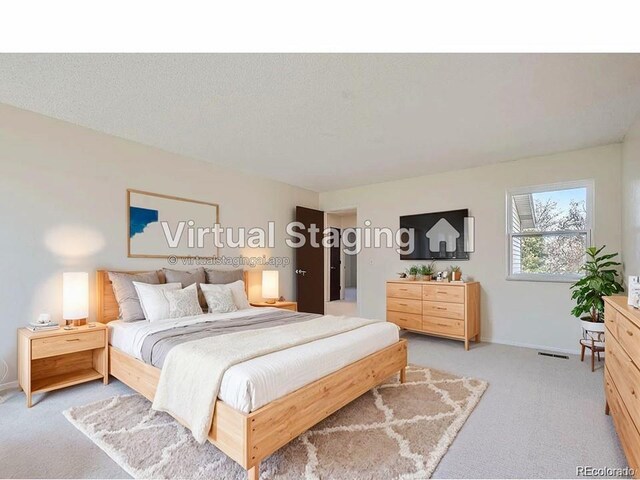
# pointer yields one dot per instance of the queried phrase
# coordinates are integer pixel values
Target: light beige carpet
(391, 431)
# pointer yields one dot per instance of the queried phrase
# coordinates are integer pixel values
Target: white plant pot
(592, 326)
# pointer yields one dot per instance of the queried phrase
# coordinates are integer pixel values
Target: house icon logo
(442, 231)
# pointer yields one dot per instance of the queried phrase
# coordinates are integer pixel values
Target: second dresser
(449, 310)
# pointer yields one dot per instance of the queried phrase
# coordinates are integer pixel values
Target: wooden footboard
(249, 438)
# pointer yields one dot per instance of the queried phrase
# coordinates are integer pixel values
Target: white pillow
(237, 289)
(185, 302)
(153, 300)
(219, 299)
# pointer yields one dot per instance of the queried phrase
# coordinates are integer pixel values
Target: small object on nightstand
(293, 306)
(50, 360)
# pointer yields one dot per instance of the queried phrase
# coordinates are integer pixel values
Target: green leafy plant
(413, 270)
(426, 270)
(599, 281)
(455, 268)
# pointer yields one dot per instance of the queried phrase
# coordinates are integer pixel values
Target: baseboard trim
(545, 348)
(9, 385)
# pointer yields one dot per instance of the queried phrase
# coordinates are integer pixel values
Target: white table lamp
(270, 283)
(75, 297)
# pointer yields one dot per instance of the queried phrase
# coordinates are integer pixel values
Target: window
(548, 229)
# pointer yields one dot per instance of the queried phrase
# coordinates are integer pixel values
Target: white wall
(631, 200)
(63, 208)
(515, 312)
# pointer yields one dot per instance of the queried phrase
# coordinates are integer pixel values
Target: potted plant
(456, 273)
(412, 271)
(426, 271)
(599, 281)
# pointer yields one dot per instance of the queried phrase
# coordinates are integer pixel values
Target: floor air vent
(554, 355)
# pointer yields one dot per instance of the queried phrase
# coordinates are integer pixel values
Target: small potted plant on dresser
(456, 273)
(426, 272)
(600, 280)
(412, 271)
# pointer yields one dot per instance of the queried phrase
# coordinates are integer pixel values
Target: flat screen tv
(437, 236)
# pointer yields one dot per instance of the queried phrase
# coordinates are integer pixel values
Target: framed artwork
(158, 226)
(440, 236)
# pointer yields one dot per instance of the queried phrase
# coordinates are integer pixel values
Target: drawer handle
(441, 293)
(630, 333)
(403, 304)
(402, 289)
(441, 308)
(73, 339)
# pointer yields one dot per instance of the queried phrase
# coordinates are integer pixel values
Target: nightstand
(293, 306)
(60, 358)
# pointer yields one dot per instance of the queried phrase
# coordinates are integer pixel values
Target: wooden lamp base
(77, 322)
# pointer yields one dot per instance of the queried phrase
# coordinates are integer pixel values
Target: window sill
(543, 278)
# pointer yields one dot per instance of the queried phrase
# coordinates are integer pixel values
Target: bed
(259, 409)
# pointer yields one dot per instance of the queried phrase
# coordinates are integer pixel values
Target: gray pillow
(126, 295)
(186, 278)
(218, 277)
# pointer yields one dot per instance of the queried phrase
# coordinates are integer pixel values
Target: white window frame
(589, 204)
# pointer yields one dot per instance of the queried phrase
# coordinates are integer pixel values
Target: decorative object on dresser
(456, 273)
(75, 298)
(158, 225)
(293, 306)
(57, 359)
(270, 284)
(634, 291)
(449, 310)
(622, 374)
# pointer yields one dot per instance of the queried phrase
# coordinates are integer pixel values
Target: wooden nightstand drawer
(59, 345)
(404, 290)
(443, 309)
(443, 293)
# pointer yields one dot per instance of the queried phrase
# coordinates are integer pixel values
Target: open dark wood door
(310, 263)
(334, 268)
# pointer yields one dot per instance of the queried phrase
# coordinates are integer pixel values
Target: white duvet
(250, 385)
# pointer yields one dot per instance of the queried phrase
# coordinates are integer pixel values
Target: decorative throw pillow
(126, 294)
(153, 300)
(222, 277)
(219, 298)
(186, 278)
(183, 303)
(237, 291)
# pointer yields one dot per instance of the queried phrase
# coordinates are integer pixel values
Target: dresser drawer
(443, 326)
(61, 344)
(403, 305)
(610, 319)
(628, 335)
(443, 309)
(443, 293)
(626, 377)
(627, 432)
(410, 321)
(404, 290)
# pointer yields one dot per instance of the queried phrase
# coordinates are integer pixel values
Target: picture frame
(149, 214)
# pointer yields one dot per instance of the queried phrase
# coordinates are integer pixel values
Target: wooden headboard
(106, 305)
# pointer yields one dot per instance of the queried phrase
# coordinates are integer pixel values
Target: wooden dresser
(449, 310)
(622, 374)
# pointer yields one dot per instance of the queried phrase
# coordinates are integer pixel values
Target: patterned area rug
(395, 430)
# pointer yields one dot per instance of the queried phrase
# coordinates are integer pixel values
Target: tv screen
(437, 236)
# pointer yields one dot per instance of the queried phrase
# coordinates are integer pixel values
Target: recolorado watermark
(606, 472)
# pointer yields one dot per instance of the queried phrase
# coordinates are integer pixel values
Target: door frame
(327, 257)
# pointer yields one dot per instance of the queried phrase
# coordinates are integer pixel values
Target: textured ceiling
(332, 121)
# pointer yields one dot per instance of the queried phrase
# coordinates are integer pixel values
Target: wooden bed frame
(248, 438)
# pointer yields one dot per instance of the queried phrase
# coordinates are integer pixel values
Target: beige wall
(631, 200)
(521, 313)
(63, 205)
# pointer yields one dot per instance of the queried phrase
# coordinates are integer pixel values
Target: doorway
(341, 268)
